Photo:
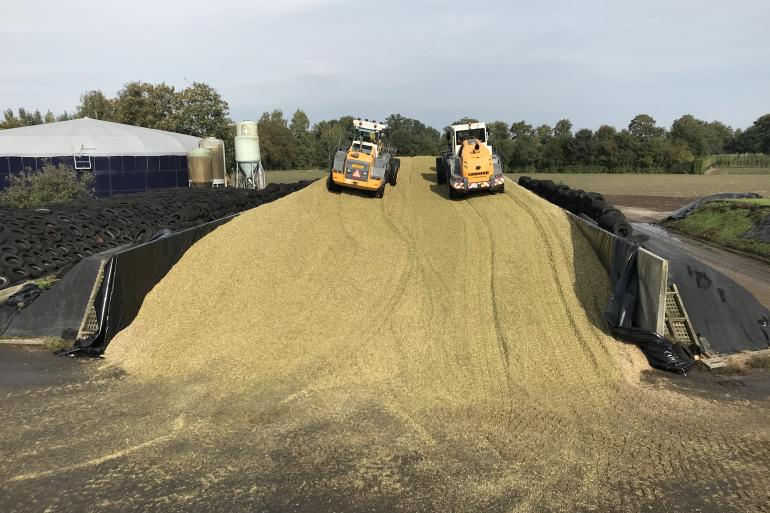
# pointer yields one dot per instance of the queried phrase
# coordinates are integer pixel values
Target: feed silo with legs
(249, 171)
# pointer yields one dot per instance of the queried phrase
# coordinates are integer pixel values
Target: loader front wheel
(330, 185)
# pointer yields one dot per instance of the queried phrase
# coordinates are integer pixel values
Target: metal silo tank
(247, 148)
(217, 149)
(199, 167)
(246, 128)
(247, 155)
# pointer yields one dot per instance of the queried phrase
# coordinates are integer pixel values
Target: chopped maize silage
(341, 353)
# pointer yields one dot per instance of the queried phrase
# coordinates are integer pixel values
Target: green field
(755, 201)
(739, 171)
(678, 186)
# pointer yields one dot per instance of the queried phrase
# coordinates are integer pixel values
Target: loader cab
(459, 133)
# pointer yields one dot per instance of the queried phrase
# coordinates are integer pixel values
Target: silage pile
(410, 350)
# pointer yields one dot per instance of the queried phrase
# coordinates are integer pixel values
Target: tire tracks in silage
(537, 410)
(587, 391)
(525, 406)
(562, 295)
(502, 340)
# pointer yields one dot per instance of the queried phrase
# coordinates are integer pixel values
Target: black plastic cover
(661, 353)
(129, 276)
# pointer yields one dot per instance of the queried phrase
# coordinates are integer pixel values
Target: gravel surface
(341, 353)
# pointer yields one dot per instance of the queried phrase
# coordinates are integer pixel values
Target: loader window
(363, 148)
(475, 133)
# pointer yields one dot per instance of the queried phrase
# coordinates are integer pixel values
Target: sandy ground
(405, 354)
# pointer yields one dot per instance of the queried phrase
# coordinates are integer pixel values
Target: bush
(52, 184)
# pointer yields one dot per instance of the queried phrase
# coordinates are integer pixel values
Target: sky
(594, 62)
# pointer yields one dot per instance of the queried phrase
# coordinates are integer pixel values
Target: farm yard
(427, 355)
(242, 271)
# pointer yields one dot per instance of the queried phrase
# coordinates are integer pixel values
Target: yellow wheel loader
(469, 165)
(368, 164)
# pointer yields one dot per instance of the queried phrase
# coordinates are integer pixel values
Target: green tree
(502, 144)
(755, 139)
(199, 110)
(498, 130)
(411, 137)
(676, 157)
(524, 151)
(563, 129)
(643, 128)
(94, 105)
(145, 104)
(24, 118)
(701, 137)
(580, 151)
(605, 150)
(10, 120)
(327, 137)
(303, 140)
(718, 137)
(275, 141)
(646, 142)
(543, 133)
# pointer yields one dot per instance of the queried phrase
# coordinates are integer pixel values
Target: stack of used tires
(49, 241)
(589, 205)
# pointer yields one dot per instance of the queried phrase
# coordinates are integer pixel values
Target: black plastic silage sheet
(620, 316)
(128, 278)
(721, 310)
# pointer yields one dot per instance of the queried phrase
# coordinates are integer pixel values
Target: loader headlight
(457, 182)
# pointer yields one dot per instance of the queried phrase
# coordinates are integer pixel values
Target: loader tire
(393, 177)
(330, 185)
(380, 192)
(440, 171)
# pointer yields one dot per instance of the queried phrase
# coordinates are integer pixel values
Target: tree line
(642, 146)
(295, 143)
(197, 110)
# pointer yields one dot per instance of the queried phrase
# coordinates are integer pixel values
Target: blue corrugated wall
(113, 175)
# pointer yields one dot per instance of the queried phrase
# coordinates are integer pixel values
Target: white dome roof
(91, 137)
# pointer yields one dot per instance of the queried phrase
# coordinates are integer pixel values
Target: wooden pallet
(678, 325)
(717, 362)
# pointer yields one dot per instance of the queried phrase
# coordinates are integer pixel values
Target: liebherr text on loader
(469, 164)
(368, 164)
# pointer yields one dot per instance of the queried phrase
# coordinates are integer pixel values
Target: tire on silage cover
(53, 239)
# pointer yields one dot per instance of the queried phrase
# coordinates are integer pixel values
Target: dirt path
(404, 354)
